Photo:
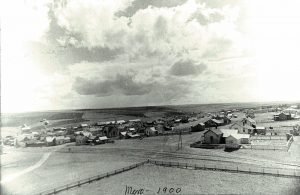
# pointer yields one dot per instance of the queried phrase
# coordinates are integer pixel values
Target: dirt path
(10, 178)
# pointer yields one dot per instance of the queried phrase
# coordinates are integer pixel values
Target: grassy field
(151, 177)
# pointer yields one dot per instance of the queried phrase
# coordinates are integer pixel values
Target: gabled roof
(250, 120)
(216, 131)
(235, 124)
(228, 132)
(217, 121)
(240, 136)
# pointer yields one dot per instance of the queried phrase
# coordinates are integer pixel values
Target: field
(151, 178)
(36, 169)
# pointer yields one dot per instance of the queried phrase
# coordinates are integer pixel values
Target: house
(25, 129)
(151, 131)
(81, 139)
(120, 122)
(249, 121)
(198, 127)
(67, 139)
(59, 140)
(50, 141)
(212, 136)
(96, 130)
(93, 140)
(247, 129)
(282, 116)
(110, 131)
(83, 127)
(103, 139)
(213, 123)
(225, 120)
(133, 135)
(260, 130)
(135, 120)
(234, 140)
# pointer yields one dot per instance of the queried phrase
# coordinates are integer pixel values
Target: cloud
(151, 31)
(121, 84)
(187, 67)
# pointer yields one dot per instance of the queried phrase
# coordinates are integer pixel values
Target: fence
(236, 169)
(267, 147)
(289, 143)
(270, 137)
(90, 179)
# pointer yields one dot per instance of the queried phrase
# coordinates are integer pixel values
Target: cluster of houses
(236, 134)
(107, 131)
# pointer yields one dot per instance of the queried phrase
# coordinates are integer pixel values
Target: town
(226, 129)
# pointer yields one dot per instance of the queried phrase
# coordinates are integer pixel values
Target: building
(110, 131)
(198, 127)
(81, 139)
(151, 131)
(213, 123)
(228, 132)
(249, 121)
(246, 129)
(50, 141)
(234, 140)
(212, 136)
(260, 130)
(60, 140)
(282, 116)
(225, 120)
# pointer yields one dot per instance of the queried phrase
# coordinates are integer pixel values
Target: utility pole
(180, 140)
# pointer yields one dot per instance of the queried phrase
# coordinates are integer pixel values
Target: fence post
(249, 170)
(263, 171)
(237, 169)
(277, 172)
(178, 164)
(54, 192)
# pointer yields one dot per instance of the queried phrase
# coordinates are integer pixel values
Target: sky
(69, 54)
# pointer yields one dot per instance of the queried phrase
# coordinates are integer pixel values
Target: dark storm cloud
(187, 67)
(143, 4)
(121, 84)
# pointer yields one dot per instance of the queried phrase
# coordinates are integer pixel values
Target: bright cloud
(69, 54)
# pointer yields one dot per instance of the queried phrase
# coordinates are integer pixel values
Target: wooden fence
(235, 169)
(90, 179)
(258, 171)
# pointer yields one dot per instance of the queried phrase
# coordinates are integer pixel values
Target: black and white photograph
(150, 97)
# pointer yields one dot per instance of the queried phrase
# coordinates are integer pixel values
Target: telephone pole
(180, 140)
